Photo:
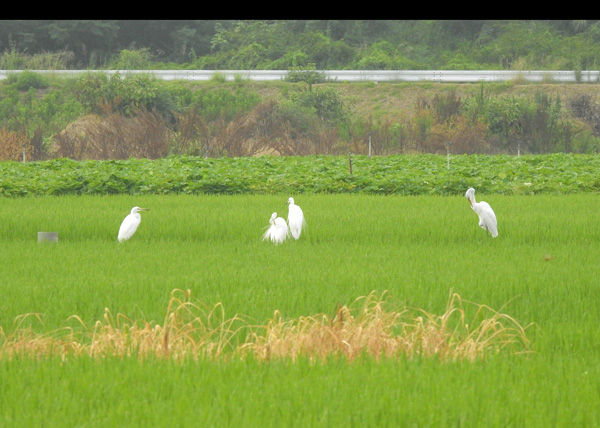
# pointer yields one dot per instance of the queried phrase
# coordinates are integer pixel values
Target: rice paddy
(196, 321)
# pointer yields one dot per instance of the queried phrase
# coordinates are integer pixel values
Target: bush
(25, 80)
(326, 103)
(384, 56)
(139, 59)
(101, 94)
(37, 110)
(462, 135)
(223, 103)
(584, 106)
(307, 74)
(15, 60)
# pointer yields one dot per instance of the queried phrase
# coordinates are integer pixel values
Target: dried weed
(192, 330)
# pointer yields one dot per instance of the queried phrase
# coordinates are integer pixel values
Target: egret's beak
(144, 209)
(470, 203)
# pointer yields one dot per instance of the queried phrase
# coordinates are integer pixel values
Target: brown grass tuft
(367, 328)
(12, 145)
(196, 331)
(113, 136)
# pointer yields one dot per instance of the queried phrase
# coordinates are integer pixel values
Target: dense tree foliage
(283, 44)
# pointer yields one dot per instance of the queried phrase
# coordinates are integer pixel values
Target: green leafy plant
(390, 175)
(127, 59)
(307, 73)
(26, 79)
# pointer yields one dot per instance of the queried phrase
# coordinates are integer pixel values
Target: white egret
(487, 217)
(277, 231)
(295, 219)
(130, 223)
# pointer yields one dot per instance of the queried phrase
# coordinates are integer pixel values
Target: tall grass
(191, 330)
(541, 271)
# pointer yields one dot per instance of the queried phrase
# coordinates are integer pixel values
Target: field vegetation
(393, 308)
(84, 320)
(389, 175)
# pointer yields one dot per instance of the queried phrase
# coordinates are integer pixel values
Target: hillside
(398, 100)
(393, 100)
(135, 116)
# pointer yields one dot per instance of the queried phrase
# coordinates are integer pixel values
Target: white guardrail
(440, 76)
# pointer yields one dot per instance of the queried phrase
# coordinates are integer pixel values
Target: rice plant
(300, 334)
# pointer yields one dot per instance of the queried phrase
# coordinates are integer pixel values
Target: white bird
(487, 217)
(295, 219)
(277, 231)
(130, 223)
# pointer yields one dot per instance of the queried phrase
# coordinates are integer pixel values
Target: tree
(84, 38)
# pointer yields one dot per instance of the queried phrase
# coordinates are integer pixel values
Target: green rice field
(543, 271)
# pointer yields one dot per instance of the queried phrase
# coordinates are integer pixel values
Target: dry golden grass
(12, 145)
(113, 136)
(367, 328)
(194, 331)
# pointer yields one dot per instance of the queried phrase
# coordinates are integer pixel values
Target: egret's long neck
(472, 199)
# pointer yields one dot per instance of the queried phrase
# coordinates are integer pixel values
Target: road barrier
(439, 76)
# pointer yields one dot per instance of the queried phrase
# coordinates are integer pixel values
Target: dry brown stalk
(113, 136)
(192, 330)
(12, 145)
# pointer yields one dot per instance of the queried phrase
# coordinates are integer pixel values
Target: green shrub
(102, 94)
(15, 60)
(326, 103)
(27, 79)
(385, 56)
(139, 59)
(308, 74)
(225, 103)
(34, 110)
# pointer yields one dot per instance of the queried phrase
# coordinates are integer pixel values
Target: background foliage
(118, 115)
(121, 115)
(279, 44)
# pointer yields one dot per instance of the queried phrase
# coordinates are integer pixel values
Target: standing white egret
(295, 219)
(487, 217)
(277, 231)
(130, 224)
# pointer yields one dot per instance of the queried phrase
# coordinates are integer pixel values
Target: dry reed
(371, 330)
(13, 144)
(113, 136)
(196, 331)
